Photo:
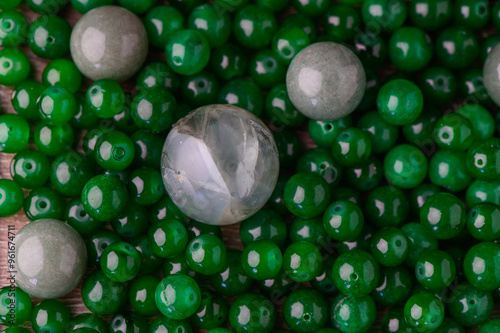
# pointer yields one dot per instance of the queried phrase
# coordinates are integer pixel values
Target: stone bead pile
(392, 213)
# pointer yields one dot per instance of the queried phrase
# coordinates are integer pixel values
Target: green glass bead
(244, 94)
(123, 121)
(341, 21)
(266, 70)
(419, 241)
(457, 47)
(15, 66)
(448, 169)
(62, 73)
(277, 200)
(187, 52)
(14, 133)
(13, 28)
(84, 118)
(153, 109)
(206, 254)
(419, 132)
(44, 203)
(491, 326)
(443, 215)
(50, 315)
(15, 306)
(49, 7)
(114, 151)
(105, 98)
(128, 322)
(88, 320)
(481, 266)
(103, 296)
(262, 260)
(136, 7)
(30, 168)
(482, 159)
(70, 172)
(390, 246)
(24, 99)
(120, 262)
(352, 146)
(289, 148)
(195, 229)
(383, 15)
(254, 27)
(424, 312)
(311, 8)
(84, 6)
(353, 314)
(145, 186)
(305, 310)
(483, 221)
(371, 49)
(157, 74)
(430, 15)
(405, 166)
(9, 4)
(148, 147)
(365, 176)
(178, 296)
(386, 206)
(300, 21)
(481, 119)
(76, 216)
(302, 261)
(382, 134)
(470, 306)
(280, 110)
(324, 133)
(400, 102)
(343, 220)
(142, 295)
(232, 279)
(149, 262)
(49, 37)
(214, 23)
(394, 286)
(228, 61)
(323, 282)
(177, 265)
(419, 196)
(471, 86)
(438, 85)
(435, 270)
(310, 230)
(277, 288)
(168, 238)
(96, 242)
(165, 209)
(11, 197)
(394, 322)
(161, 22)
(410, 49)
(166, 325)
(289, 41)
(266, 224)
(93, 134)
(252, 313)
(321, 162)
(57, 105)
(200, 89)
(306, 195)
(346, 193)
(212, 311)
(362, 242)
(104, 197)
(449, 326)
(471, 14)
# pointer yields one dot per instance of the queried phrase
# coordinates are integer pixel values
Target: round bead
(390, 246)
(453, 132)
(104, 197)
(386, 206)
(88, 320)
(252, 312)
(50, 315)
(164, 324)
(400, 102)
(343, 220)
(103, 296)
(266, 224)
(262, 260)
(228, 61)
(15, 305)
(14, 66)
(448, 169)
(353, 314)
(470, 306)
(265, 69)
(439, 85)
(457, 47)
(480, 118)
(25, 97)
(187, 60)
(206, 254)
(410, 49)
(62, 73)
(352, 146)
(49, 37)
(306, 195)
(482, 159)
(105, 98)
(435, 270)
(214, 23)
(14, 133)
(242, 93)
(430, 15)
(178, 296)
(288, 42)
(394, 321)
(254, 27)
(70, 172)
(405, 166)
(120, 262)
(13, 28)
(11, 197)
(443, 215)
(383, 15)
(424, 312)
(212, 311)
(483, 221)
(491, 326)
(393, 287)
(232, 279)
(305, 310)
(419, 241)
(44, 203)
(114, 151)
(472, 14)
(382, 134)
(302, 261)
(168, 238)
(481, 266)
(160, 22)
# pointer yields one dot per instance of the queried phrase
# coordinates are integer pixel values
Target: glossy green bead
(44, 203)
(187, 52)
(70, 172)
(88, 320)
(178, 296)
(405, 166)
(289, 41)
(76, 216)
(157, 74)
(472, 89)
(471, 14)
(430, 15)
(362, 242)
(371, 49)
(481, 266)
(244, 94)
(321, 162)
(83, 118)
(252, 313)
(232, 279)
(352, 146)
(276, 201)
(305, 310)
(49, 37)
(419, 132)
(105, 98)
(195, 229)
(424, 312)
(481, 119)
(96, 242)
(419, 241)
(454, 132)
(50, 315)
(400, 102)
(57, 105)
(11, 197)
(166, 325)
(212, 22)
(343, 220)
(9, 4)
(289, 147)
(15, 306)
(306, 195)
(176, 265)
(49, 7)
(443, 215)
(487, 45)
(13, 28)
(394, 321)
(25, 97)
(128, 322)
(390, 246)
(142, 295)
(356, 273)
(301, 21)
(62, 73)
(386, 206)
(277, 288)
(439, 85)
(168, 238)
(382, 134)
(212, 311)
(383, 15)
(145, 186)
(280, 110)
(410, 49)
(394, 286)
(323, 282)
(228, 61)
(149, 261)
(153, 109)
(457, 47)
(419, 196)
(123, 121)
(200, 89)
(273, 5)
(324, 133)
(310, 230)
(103, 296)
(15, 66)
(162, 21)
(341, 21)
(254, 27)
(365, 176)
(104, 197)
(165, 209)
(449, 326)
(84, 6)
(266, 224)
(373, 84)
(491, 326)
(265, 69)
(353, 314)
(311, 8)
(482, 159)
(470, 306)
(186, 6)
(302, 261)
(30, 168)
(262, 260)
(435, 270)
(483, 221)
(206, 254)
(448, 169)
(120, 262)
(148, 147)
(14, 133)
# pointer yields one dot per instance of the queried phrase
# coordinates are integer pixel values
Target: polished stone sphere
(491, 74)
(109, 43)
(51, 258)
(220, 164)
(326, 81)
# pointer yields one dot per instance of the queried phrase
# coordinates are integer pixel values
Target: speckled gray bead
(51, 258)
(326, 81)
(491, 74)
(109, 43)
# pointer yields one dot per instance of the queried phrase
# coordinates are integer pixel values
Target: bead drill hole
(307, 317)
(481, 10)
(445, 135)
(269, 63)
(128, 248)
(180, 330)
(94, 91)
(28, 166)
(118, 322)
(82, 213)
(337, 209)
(220, 318)
(196, 246)
(354, 276)
(322, 166)
(103, 246)
(474, 213)
(50, 39)
(399, 243)
(328, 127)
(201, 84)
(42, 204)
(7, 301)
(72, 169)
(7, 24)
(472, 302)
(6, 64)
(118, 153)
(433, 319)
(345, 135)
(421, 271)
(179, 231)
(440, 82)
(480, 162)
(287, 52)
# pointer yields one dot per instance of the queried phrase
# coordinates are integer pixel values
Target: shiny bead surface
(321, 162)
(50, 315)
(430, 15)
(49, 37)
(15, 66)
(453, 132)
(420, 241)
(103, 296)
(212, 311)
(160, 22)
(443, 215)
(302, 261)
(266, 224)
(96, 242)
(470, 306)
(228, 61)
(481, 266)
(288, 42)
(386, 206)
(472, 14)
(405, 166)
(13, 28)
(352, 146)
(305, 310)
(384, 15)
(424, 312)
(260, 32)
(341, 21)
(15, 133)
(390, 246)
(306, 195)
(410, 49)
(191, 60)
(15, 308)
(382, 134)
(457, 47)
(11, 197)
(70, 172)
(482, 159)
(262, 260)
(480, 118)
(88, 320)
(435, 270)
(177, 296)
(62, 73)
(142, 295)
(448, 169)
(394, 286)
(232, 279)
(242, 93)
(343, 220)
(439, 85)
(252, 313)
(44, 203)
(105, 98)
(103, 197)
(400, 102)
(394, 321)
(168, 238)
(25, 97)
(353, 314)
(265, 69)
(483, 221)
(206, 254)
(120, 262)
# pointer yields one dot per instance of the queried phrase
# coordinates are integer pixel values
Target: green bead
(49, 37)
(390, 246)
(142, 295)
(362, 242)
(481, 119)
(457, 47)
(266, 69)
(353, 314)
(44, 203)
(341, 21)
(410, 49)
(487, 45)
(470, 306)
(212, 22)
(448, 169)
(105, 98)
(383, 15)
(252, 313)
(419, 132)
(443, 215)
(62, 73)
(244, 94)
(266, 224)
(289, 147)
(419, 196)
(277, 200)
(483, 221)
(57, 105)
(262, 260)
(46, 6)
(14, 66)
(280, 109)
(373, 84)
(9, 4)
(482, 159)
(24, 99)
(15, 306)
(324, 133)
(323, 282)
(471, 14)
(88, 320)
(84, 6)
(232, 279)
(346, 193)
(76, 216)
(168, 238)
(195, 229)
(148, 147)
(453, 132)
(145, 186)
(84, 118)
(104, 197)
(481, 266)
(128, 322)
(306, 195)
(161, 22)
(400, 102)
(343, 220)
(30, 168)
(200, 89)
(123, 121)
(153, 109)
(300, 21)
(471, 86)
(394, 322)
(137, 7)
(187, 52)
(178, 296)
(14, 133)
(382, 134)
(177, 265)
(289, 41)
(352, 146)
(50, 315)
(430, 15)
(305, 310)
(302, 261)
(394, 286)
(11, 197)
(13, 28)
(254, 27)
(371, 49)
(419, 240)
(70, 172)
(424, 312)
(449, 326)
(157, 74)
(212, 311)
(149, 262)
(165, 209)
(228, 62)
(491, 326)
(386, 206)
(435, 270)
(206, 254)
(365, 176)
(96, 242)
(439, 85)
(277, 288)
(114, 151)
(311, 7)
(163, 324)
(120, 262)
(405, 166)
(320, 161)
(103, 296)
(273, 5)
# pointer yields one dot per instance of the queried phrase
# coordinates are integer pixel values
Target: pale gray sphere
(491, 74)
(220, 164)
(51, 258)
(326, 81)
(109, 43)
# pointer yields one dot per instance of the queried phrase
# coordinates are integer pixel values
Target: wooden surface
(73, 300)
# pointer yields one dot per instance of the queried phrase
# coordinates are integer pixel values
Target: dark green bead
(382, 134)
(13, 28)
(24, 99)
(394, 286)
(206, 254)
(200, 89)
(482, 159)
(178, 296)
(323, 282)
(481, 266)
(306, 195)
(362, 242)
(373, 84)
(266, 70)
(438, 85)
(419, 132)
(289, 41)
(430, 15)
(57, 105)
(410, 49)
(49, 315)
(280, 110)
(9, 4)
(482, 121)
(15, 133)
(419, 240)
(96, 242)
(491, 326)
(311, 7)
(120, 262)
(186, 6)
(305, 310)
(483, 221)
(419, 196)
(341, 21)
(165, 209)
(244, 94)
(487, 45)
(472, 89)
(193, 58)
(457, 47)
(228, 61)
(142, 295)
(161, 22)
(273, 5)
(70, 172)
(302, 261)
(471, 14)
(212, 311)
(114, 151)
(88, 320)
(352, 146)
(449, 326)
(343, 220)
(321, 162)
(424, 312)
(15, 306)
(11, 197)
(400, 102)
(453, 132)
(371, 49)
(83, 118)
(49, 37)
(148, 147)
(324, 133)
(123, 121)
(310, 230)
(76, 216)
(62, 73)
(383, 15)
(103, 296)
(386, 206)
(104, 197)
(105, 98)
(448, 169)
(44, 203)
(163, 324)
(252, 313)
(277, 200)
(214, 23)
(405, 166)
(277, 288)
(353, 314)
(145, 186)
(394, 322)
(128, 322)
(153, 109)
(300, 21)
(443, 215)
(470, 306)
(157, 74)
(390, 246)
(93, 134)
(262, 260)
(84, 6)
(177, 265)
(195, 229)
(232, 279)
(46, 6)
(266, 224)
(15, 66)
(168, 238)
(254, 27)
(435, 270)
(149, 262)
(289, 148)
(346, 193)
(365, 176)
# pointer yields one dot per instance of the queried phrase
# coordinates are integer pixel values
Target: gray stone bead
(326, 81)
(220, 164)
(109, 43)
(51, 258)
(491, 74)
